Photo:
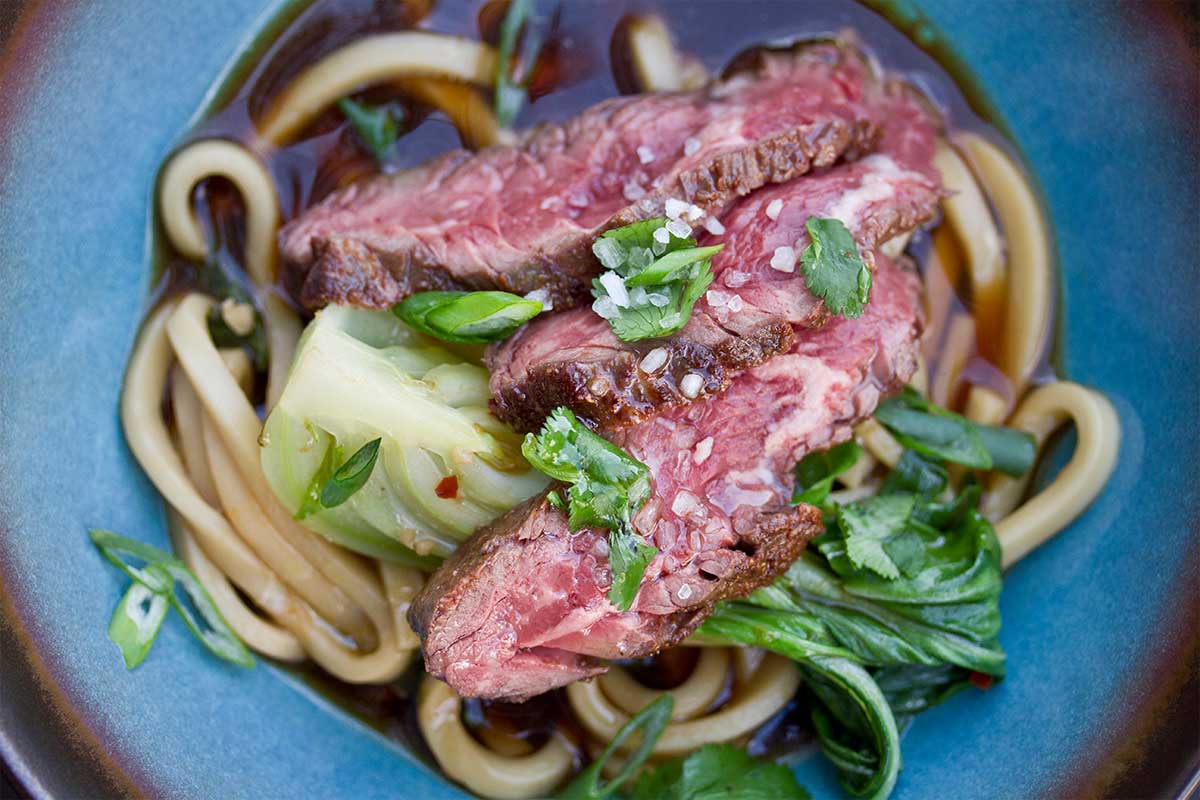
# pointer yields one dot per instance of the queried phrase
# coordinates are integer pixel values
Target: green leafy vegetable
(816, 472)
(917, 474)
(833, 269)
(650, 285)
(361, 375)
(467, 317)
(939, 434)
(377, 127)
(607, 487)
(166, 580)
(351, 476)
(719, 772)
(510, 90)
(875, 533)
(650, 723)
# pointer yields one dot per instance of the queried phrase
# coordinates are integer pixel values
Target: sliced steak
(523, 218)
(749, 313)
(520, 608)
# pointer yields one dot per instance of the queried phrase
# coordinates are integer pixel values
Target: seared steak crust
(521, 607)
(749, 313)
(523, 218)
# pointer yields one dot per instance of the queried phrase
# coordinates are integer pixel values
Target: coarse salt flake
(735, 303)
(784, 259)
(714, 226)
(774, 207)
(694, 212)
(605, 307)
(674, 208)
(703, 450)
(662, 235)
(691, 385)
(653, 361)
(645, 154)
(690, 145)
(684, 593)
(541, 296)
(679, 228)
(716, 298)
(615, 286)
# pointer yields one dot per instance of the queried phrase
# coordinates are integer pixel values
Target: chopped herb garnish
(875, 533)
(916, 473)
(939, 434)
(833, 269)
(377, 127)
(650, 723)
(719, 772)
(162, 580)
(607, 487)
(511, 89)
(467, 317)
(351, 476)
(654, 277)
(311, 503)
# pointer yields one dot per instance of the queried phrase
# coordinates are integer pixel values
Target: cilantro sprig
(607, 486)
(833, 269)
(719, 772)
(653, 278)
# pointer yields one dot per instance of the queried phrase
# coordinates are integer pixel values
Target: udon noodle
(293, 596)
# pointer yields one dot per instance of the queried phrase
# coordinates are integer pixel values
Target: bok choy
(359, 376)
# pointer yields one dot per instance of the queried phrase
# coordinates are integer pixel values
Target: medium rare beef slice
(523, 218)
(521, 607)
(748, 314)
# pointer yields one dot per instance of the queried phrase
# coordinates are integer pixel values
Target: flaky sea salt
(605, 307)
(774, 207)
(615, 287)
(734, 279)
(653, 361)
(736, 303)
(703, 450)
(674, 208)
(715, 297)
(541, 296)
(657, 299)
(645, 154)
(679, 228)
(691, 385)
(633, 191)
(694, 212)
(690, 145)
(714, 226)
(662, 235)
(784, 259)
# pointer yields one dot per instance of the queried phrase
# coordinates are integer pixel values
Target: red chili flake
(447, 488)
(982, 680)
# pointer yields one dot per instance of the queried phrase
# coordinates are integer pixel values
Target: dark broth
(575, 71)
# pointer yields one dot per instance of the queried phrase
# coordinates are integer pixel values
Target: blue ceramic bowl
(1100, 624)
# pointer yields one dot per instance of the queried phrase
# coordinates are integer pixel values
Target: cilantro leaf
(376, 127)
(719, 772)
(651, 284)
(628, 556)
(816, 471)
(873, 530)
(833, 269)
(607, 487)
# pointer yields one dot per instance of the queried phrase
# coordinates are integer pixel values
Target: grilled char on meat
(520, 608)
(523, 218)
(748, 314)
